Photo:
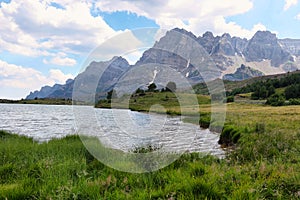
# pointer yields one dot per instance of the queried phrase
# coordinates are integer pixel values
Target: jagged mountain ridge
(263, 52)
(48, 91)
(263, 46)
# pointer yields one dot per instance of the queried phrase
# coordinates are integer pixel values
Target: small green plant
(260, 127)
(145, 149)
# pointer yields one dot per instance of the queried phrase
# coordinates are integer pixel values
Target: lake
(120, 129)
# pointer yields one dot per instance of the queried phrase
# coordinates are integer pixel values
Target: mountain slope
(87, 80)
(264, 53)
(53, 91)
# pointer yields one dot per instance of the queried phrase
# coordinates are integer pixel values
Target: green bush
(230, 99)
(276, 100)
(204, 122)
(294, 102)
(292, 91)
(229, 136)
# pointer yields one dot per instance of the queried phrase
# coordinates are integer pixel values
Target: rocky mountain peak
(183, 31)
(226, 36)
(224, 46)
(69, 81)
(264, 45)
(264, 37)
(207, 41)
(208, 35)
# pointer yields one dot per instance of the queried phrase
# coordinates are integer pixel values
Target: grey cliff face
(291, 45)
(265, 45)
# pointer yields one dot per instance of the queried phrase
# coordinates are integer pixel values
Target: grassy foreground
(264, 165)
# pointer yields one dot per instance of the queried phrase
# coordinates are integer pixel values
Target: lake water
(120, 129)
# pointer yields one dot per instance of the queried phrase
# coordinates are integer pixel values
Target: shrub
(294, 102)
(204, 121)
(230, 99)
(292, 91)
(152, 87)
(229, 136)
(276, 100)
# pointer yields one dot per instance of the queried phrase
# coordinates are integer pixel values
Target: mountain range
(234, 58)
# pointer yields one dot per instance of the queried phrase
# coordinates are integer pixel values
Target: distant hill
(230, 85)
(243, 73)
(235, 58)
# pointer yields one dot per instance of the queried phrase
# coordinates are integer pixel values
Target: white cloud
(20, 77)
(61, 59)
(39, 29)
(33, 28)
(193, 15)
(117, 46)
(17, 81)
(58, 76)
(289, 3)
(221, 26)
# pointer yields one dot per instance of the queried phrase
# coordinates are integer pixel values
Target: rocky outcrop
(243, 73)
(291, 45)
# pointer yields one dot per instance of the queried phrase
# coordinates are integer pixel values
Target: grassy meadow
(263, 164)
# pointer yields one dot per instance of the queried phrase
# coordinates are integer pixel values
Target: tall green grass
(262, 167)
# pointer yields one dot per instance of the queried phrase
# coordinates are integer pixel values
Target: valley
(259, 135)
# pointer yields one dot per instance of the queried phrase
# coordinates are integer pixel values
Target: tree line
(170, 87)
(266, 89)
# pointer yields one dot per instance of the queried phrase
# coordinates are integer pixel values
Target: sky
(43, 42)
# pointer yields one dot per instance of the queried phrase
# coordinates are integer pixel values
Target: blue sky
(45, 42)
